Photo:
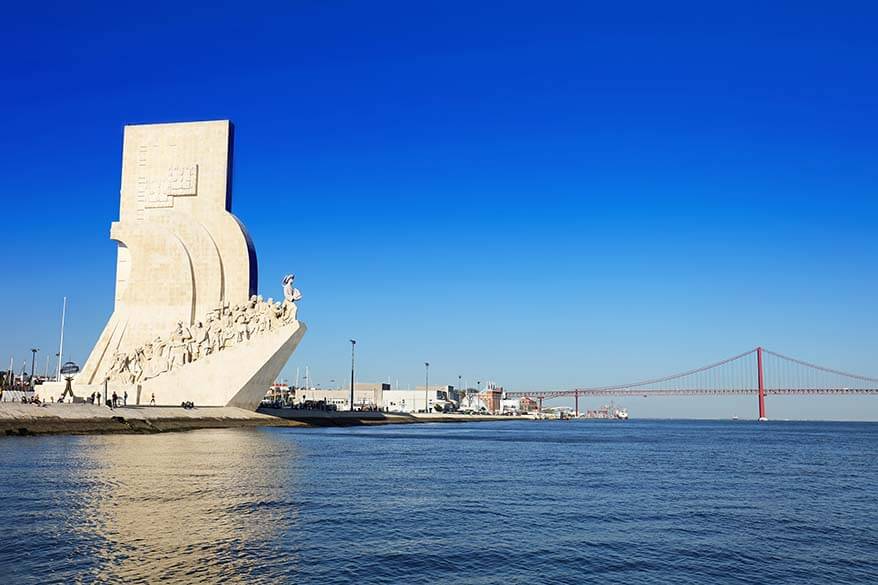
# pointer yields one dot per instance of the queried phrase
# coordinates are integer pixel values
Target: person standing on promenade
(125, 398)
(152, 400)
(115, 400)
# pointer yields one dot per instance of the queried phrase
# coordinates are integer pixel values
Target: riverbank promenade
(32, 419)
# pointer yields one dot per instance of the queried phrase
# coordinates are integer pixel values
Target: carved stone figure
(228, 328)
(278, 316)
(215, 333)
(131, 360)
(119, 369)
(160, 357)
(270, 313)
(137, 365)
(291, 295)
(261, 318)
(242, 325)
(177, 347)
(200, 341)
(146, 362)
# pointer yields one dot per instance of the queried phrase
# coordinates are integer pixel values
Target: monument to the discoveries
(187, 325)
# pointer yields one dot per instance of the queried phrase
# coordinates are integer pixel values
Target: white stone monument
(186, 325)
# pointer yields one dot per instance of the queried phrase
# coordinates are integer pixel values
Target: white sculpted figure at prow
(291, 295)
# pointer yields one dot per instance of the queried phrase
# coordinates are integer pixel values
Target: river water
(641, 502)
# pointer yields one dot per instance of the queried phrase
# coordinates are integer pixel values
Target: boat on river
(606, 412)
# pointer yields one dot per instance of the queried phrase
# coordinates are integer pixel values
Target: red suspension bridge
(758, 371)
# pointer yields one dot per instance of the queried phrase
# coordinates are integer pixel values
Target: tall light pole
(61, 345)
(353, 346)
(426, 387)
(33, 362)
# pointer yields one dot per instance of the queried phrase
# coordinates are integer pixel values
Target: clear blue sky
(543, 194)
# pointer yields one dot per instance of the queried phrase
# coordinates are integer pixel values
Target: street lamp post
(61, 346)
(353, 345)
(426, 387)
(33, 362)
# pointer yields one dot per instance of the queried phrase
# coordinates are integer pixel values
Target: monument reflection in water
(183, 507)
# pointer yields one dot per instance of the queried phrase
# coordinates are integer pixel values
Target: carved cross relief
(158, 182)
(179, 182)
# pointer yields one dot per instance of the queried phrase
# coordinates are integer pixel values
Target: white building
(414, 400)
(373, 396)
(511, 405)
(367, 396)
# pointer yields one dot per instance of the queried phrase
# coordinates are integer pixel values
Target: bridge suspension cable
(757, 371)
(679, 375)
(821, 368)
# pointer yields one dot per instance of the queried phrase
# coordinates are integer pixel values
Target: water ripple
(642, 502)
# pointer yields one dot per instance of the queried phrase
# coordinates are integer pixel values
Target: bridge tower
(761, 377)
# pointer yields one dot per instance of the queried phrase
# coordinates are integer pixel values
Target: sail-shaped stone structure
(184, 259)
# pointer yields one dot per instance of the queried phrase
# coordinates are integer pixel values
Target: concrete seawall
(344, 418)
(30, 419)
(27, 419)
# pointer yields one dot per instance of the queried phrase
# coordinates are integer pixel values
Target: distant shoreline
(18, 419)
(78, 419)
